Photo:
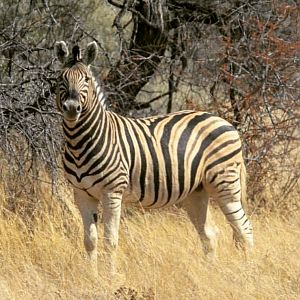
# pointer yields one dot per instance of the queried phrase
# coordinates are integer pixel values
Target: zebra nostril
(78, 109)
(65, 107)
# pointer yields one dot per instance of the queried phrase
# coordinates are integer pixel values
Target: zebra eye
(87, 79)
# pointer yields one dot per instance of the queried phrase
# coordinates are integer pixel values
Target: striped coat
(183, 157)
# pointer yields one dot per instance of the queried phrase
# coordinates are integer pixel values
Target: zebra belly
(149, 198)
(157, 195)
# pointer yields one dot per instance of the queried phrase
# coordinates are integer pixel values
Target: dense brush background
(240, 61)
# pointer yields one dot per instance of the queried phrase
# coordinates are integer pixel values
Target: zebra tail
(243, 179)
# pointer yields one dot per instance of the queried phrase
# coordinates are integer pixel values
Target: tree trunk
(154, 23)
(138, 63)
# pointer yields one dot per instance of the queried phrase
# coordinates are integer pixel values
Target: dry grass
(159, 257)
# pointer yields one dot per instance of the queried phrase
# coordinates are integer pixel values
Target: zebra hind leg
(196, 206)
(226, 189)
(241, 226)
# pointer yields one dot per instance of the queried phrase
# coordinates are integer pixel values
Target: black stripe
(104, 134)
(220, 147)
(70, 158)
(238, 218)
(182, 145)
(85, 132)
(108, 173)
(229, 190)
(118, 175)
(105, 139)
(208, 140)
(128, 139)
(245, 222)
(88, 130)
(95, 108)
(91, 143)
(121, 140)
(236, 192)
(70, 171)
(158, 119)
(143, 162)
(234, 212)
(222, 159)
(155, 164)
(165, 144)
(80, 124)
(216, 175)
(226, 181)
(104, 166)
(95, 216)
(93, 153)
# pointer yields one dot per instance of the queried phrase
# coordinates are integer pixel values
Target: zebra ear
(61, 51)
(90, 53)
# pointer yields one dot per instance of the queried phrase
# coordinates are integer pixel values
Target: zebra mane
(76, 57)
(76, 54)
(100, 93)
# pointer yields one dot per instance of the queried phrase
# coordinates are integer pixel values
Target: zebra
(181, 158)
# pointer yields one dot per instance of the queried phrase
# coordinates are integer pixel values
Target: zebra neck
(92, 127)
(98, 93)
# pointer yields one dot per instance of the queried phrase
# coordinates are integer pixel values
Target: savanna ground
(160, 256)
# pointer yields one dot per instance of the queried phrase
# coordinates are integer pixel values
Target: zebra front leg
(88, 207)
(111, 219)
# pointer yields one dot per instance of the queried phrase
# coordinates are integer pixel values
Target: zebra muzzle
(71, 110)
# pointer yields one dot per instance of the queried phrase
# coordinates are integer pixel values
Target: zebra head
(74, 83)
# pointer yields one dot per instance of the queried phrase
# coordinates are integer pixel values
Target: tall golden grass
(159, 257)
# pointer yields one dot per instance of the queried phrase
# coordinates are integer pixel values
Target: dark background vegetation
(238, 59)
